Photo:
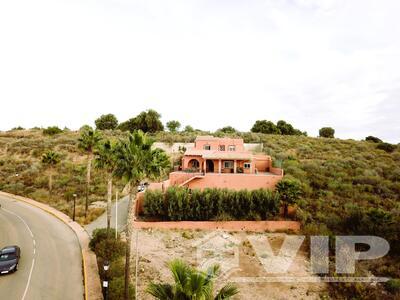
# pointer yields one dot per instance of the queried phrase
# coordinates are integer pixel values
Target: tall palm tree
(136, 160)
(87, 141)
(191, 284)
(50, 159)
(105, 158)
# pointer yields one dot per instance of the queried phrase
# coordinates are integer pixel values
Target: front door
(209, 166)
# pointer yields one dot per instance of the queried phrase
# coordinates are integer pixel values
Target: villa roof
(212, 154)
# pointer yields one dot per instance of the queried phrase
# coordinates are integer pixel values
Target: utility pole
(73, 213)
(116, 214)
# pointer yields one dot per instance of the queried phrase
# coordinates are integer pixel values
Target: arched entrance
(194, 164)
(209, 166)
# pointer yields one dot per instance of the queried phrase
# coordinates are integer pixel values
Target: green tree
(146, 121)
(188, 128)
(136, 160)
(105, 159)
(50, 159)
(87, 142)
(327, 132)
(289, 191)
(227, 129)
(191, 284)
(264, 126)
(173, 125)
(108, 121)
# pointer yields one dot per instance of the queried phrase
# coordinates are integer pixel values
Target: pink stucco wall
(215, 142)
(235, 181)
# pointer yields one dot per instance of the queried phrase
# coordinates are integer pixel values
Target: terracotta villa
(223, 163)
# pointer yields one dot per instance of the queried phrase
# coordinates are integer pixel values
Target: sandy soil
(158, 247)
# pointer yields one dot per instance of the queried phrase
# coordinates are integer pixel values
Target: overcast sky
(313, 63)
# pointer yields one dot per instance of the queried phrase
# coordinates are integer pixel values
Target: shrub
(389, 148)
(52, 130)
(116, 289)
(393, 286)
(108, 121)
(373, 139)
(327, 132)
(99, 235)
(179, 203)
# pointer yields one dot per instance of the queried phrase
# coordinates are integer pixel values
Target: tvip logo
(223, 249)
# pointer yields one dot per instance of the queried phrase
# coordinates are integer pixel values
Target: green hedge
(179, 203)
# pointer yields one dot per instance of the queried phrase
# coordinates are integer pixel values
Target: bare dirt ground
(158, 247)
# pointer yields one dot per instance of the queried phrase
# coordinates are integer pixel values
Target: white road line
(34, 250)
(29, 280)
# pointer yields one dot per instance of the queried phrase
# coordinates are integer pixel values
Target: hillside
(350, 187)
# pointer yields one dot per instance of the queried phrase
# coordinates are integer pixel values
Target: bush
(52, 130)
(105, 122)
(393, 286)
(327, 132)
(389, 148)
(373, 139)
(116, 289)
(99, 235)
(180, 203)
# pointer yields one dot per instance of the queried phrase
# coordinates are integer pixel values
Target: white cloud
(207, 63)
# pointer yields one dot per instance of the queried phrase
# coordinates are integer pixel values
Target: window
(247, 165)
(207, 147)
(221, 147)
(232, 148)
(228, 164)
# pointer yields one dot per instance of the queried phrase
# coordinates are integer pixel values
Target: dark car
(9, 259)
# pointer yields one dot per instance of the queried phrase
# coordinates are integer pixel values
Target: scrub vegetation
(348, 187)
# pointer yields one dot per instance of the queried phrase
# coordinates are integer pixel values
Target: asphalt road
(101, 222)
(50, 266)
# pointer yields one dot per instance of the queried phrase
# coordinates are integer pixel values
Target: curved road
(50, 266)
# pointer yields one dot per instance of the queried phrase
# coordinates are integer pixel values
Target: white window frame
(207, 146)
(247, 165)
(232, 148)
(230, 164)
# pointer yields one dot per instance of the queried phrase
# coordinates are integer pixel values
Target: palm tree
(136, 160)
(191, 284)
(87, 142)
(105, 158)
(50, 159)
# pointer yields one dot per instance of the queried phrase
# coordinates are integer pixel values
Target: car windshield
(7, 256)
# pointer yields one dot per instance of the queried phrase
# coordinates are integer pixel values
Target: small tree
(105, 122)
(188, 128)
(289, 192)
(227, 129)
(50, 159)
(87, 142)
(327, 132)
(173, 125)
(190, 283)
(264, 126)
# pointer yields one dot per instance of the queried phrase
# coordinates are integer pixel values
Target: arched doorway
(194, 164)
(209, 166)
